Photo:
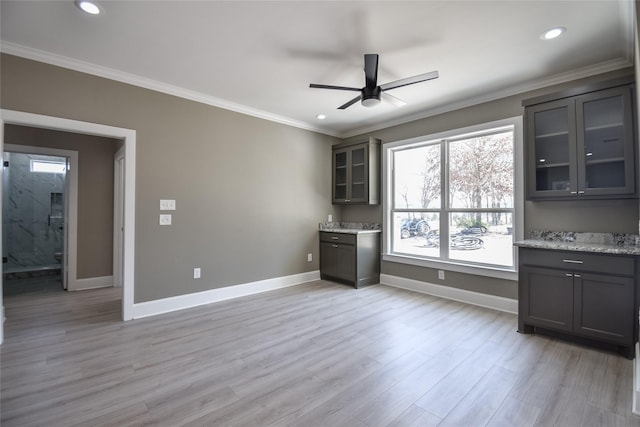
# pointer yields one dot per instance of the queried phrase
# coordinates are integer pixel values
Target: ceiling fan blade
(371, 70)
(355, 89)
(409, 80)
(395, 101)
(350, 103)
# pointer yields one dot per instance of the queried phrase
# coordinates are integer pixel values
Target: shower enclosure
(33, 212)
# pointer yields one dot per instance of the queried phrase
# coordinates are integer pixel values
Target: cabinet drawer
(349, 239)
(578, 261)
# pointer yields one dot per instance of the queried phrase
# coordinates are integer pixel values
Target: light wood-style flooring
(319, 354)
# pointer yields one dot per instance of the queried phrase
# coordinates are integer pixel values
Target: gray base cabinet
(351, 258)
(586, 295)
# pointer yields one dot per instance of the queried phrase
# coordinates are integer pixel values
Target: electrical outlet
(330, 218)
(196, 273)
(309, 257)
(165, 219)
(441, 274)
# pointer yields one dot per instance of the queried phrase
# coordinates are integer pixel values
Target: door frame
(70, 256)
(118, 214)
(128, 136)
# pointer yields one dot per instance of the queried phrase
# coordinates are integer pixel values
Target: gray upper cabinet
(581, 146)
(356, 170)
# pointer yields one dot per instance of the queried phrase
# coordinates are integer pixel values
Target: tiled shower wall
(32, 214)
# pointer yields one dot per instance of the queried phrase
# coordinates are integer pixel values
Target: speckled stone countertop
(349, 227)
(605, 243)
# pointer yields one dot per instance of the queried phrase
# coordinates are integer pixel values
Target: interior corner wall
(596, 216)
(95, 191)
(249, 192)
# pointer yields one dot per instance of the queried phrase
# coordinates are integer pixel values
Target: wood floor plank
(319, 354)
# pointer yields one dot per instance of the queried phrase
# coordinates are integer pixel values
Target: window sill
(498, 273)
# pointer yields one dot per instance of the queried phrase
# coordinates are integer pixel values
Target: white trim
(129, 138)
(71, 235)
(118, 211)
(461, 295)
(581, 73)
(181, 302)
(635, 408)
(93, 283)
(133, 79)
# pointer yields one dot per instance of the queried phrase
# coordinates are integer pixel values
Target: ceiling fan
(371, 93)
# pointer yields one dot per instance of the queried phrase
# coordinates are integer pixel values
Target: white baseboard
(91, 283)
(508, 305)
(635, 408)
(181, 302)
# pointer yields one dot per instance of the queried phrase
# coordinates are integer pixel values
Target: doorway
(34, 221)
(128, 137)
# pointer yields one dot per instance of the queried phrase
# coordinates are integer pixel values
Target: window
(451, 198)
(47, 166)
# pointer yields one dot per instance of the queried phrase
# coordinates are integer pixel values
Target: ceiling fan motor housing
(371, 96)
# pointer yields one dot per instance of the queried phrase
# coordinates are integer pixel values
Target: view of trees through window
(453, 199)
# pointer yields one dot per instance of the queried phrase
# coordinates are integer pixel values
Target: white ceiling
(259, 57)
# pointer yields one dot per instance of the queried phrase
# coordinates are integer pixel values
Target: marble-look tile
(32, 236)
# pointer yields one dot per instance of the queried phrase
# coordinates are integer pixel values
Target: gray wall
(249, 192)
(595, 216)
(95, 191)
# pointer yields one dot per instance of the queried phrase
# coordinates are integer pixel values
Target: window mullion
(444, 202)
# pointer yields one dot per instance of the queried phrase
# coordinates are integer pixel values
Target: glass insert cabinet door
(351, 171)
(606, 148)
(340, 175)
(552, 155)
(358, 174)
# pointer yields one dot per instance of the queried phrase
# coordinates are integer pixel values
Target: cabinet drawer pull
(572, 261)
(574, 192)
(568, 274)
(334, 246)
(581, 192)
(335, 238)
(577, 275)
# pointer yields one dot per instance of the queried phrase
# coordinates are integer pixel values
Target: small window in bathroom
(45, 166)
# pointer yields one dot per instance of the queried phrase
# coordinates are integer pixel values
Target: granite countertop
(349, 227)
(605, 243)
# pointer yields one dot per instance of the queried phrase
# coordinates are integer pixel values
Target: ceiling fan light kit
(371, 93)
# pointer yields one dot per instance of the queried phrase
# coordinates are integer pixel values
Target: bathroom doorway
(35, 213)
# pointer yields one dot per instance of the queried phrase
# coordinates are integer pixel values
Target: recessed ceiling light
(553, 33)
(321, 117)
(89, 7)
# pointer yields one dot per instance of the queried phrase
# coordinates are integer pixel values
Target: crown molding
(580, 73)
(128, 78)
(133, 79)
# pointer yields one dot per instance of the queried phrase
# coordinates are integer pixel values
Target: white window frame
(47, 166)
(518, 207)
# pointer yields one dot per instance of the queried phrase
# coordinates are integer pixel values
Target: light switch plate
(167, 205)
(165, 219)
(196, 273)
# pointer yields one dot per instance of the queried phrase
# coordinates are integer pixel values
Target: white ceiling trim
(133, 79)
(580, 73)
(128, 78)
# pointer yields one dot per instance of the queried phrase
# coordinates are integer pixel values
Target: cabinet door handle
(574, 192)
(568, 274)
(334, 246)
(572, 261)
(581, 192)
(577, 275)
(335, 238)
